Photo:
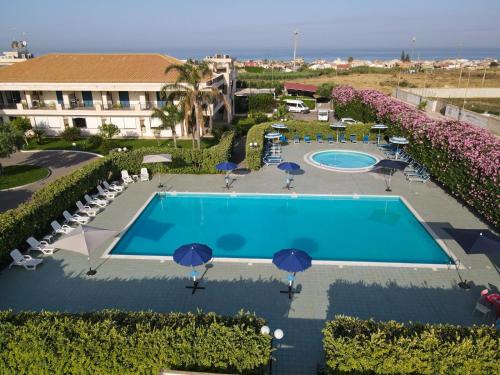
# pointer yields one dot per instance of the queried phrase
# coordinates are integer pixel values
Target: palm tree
(193, 97)
(169, 115)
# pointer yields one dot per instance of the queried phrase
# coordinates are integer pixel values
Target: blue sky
(163, 25)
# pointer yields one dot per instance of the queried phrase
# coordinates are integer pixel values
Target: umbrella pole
(90, 272)
(389, 182)
(337, 135)
(160, 185)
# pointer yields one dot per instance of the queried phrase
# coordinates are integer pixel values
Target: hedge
(114, 342)
(301, 128)
(32, 218)
(261, 103)
(353, 345)
(463, 158)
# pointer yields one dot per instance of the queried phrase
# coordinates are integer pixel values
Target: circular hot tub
(342, 160)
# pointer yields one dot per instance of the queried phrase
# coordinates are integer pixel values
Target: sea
(309, 55)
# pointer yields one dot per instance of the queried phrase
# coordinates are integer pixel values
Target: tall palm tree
(192, 95)
(169, 115)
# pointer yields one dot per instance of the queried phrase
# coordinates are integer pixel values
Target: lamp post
(295, 37)
(278, 335)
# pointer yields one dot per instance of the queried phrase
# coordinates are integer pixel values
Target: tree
(407, 58)
(169, 115)
(192, 96)
(108, 131)
(350, 59)
(493, 64)
(10, 138)
(325, 90)
(22, 124)
(281, 113)
(403, 56)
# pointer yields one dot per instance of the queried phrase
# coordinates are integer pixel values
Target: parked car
(323, 115)
(348, 120)
(296, 106)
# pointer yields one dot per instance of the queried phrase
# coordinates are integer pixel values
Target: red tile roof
(300, 87)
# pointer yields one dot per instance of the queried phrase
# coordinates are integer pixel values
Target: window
(159, 99)
(79, 122)
(59, 96)
(87, 99)
(13, 97)
(124, 99)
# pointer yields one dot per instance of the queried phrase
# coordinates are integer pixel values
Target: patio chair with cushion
(25, 261)
(42, 246)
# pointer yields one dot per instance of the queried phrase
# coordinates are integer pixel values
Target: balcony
(39, 104)
(8, 105)
(79, 105)
(150, 105)
(119, 106)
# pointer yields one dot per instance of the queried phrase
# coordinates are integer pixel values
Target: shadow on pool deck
(301, 348)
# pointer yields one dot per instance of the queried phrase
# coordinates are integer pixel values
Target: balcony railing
(150, 105)
(8, 105)
(119, 106)
(79, 105)
(38, 104)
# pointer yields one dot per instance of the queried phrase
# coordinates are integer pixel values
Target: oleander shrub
(256, 133)
(116, 342)
(261, 103)
(464, 158)
(32, 218)
(71, 134)
(355, 346)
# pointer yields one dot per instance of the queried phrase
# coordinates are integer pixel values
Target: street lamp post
(295, 37)
(278, 335)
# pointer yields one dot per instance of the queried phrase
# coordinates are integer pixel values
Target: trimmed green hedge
(357, 346)
(32, 218)
(356, 110)
(114, 342)
(301, 128)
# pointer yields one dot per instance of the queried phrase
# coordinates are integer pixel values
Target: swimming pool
(330, 228)
(342, 160)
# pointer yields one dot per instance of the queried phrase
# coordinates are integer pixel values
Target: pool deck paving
(383, 293)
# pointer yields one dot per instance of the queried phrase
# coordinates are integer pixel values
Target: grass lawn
(83, 145)
(17, 175)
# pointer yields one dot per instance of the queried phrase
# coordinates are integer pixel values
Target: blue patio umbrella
(288, 167)
(192, 255)
(226, 166)
(392, 165)
(292, 261)
(379, 127)
(337, 126)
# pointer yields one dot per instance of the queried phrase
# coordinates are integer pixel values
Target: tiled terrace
(409, 294)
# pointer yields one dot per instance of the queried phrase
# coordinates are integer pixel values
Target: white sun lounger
(144, 174)
(60, 229)
(75, 218)
(42, 246)
(25, 261)
(95, 201)
(112, 187)
(87, 210)
(126, 177)
(105, 193)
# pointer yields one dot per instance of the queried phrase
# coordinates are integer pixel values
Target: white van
(323, 115)
(297, 106)
(348, 120)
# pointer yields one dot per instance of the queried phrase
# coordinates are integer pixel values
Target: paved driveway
(59, 162)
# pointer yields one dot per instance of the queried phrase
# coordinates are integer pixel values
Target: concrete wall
(488, 92)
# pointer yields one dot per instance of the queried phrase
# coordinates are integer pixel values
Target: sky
(163, 25)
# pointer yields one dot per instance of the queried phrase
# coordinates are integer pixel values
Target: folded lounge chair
(144, 174)
(342, 138)
(75, 218)
(87, 210)
(353, 138)
(25, 261)
(330, 138)
(42, 246)
(60, 229)
(319, 138)
(307, 139)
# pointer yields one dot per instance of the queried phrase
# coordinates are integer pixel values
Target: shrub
(71, 134)
(114, 342)
(38, 134)
(364, 346)
(261, 103)
(94, 141)
(258, 117)
(462, 157)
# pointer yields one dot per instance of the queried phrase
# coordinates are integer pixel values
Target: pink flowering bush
(461, 156)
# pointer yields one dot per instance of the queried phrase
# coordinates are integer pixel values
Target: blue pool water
(340, 159)
(372, 229)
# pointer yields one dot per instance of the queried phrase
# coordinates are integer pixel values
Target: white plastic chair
(126, 178)
(144, 174)
(60, 229)
(95, 201)
(112, 187)
(42, 246)
(75, 218)
(105, 193)
(25, 261)
(87, 210)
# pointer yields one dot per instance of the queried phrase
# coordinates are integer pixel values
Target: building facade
(57, 91)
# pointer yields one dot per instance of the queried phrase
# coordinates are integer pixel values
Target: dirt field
(385, 82)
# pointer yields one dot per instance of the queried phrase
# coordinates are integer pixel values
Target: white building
(56, 91)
